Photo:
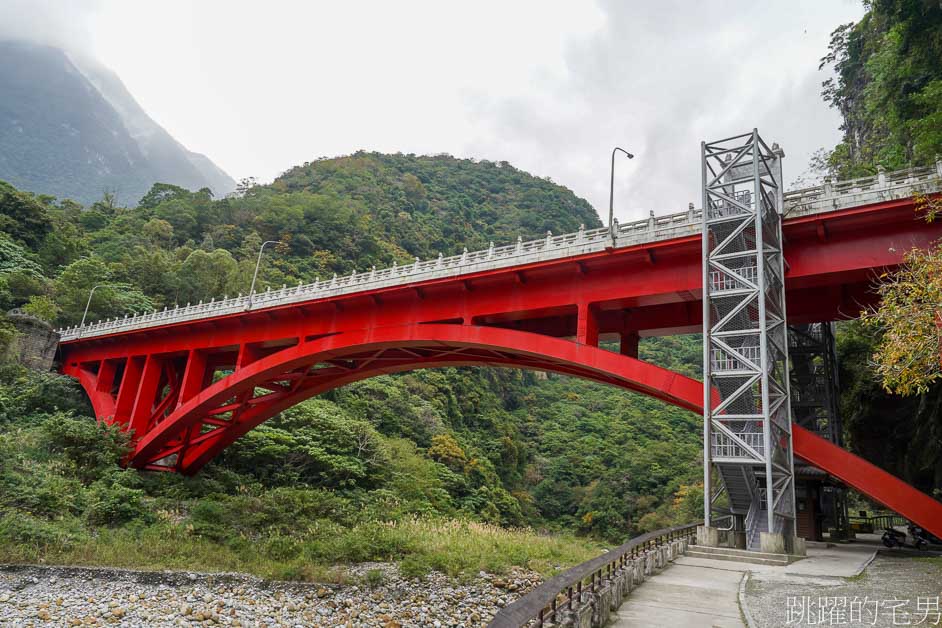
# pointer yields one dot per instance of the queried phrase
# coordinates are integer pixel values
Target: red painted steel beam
(860, 242)
(504, 348)
(870, 480)
(648, 289)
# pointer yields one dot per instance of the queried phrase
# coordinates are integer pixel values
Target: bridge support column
(106, 375)
(194, 376)
(146, 395)
(708, 536)
(629, 344)
(127, 392)
(587, 325)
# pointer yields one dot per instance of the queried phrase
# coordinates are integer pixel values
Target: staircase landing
(741, 556)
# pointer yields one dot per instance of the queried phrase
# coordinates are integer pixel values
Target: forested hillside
(888, 89)
(498, 446)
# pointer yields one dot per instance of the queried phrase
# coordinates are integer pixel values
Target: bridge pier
(628, 345)
(587, 325)
(708, 536)
(778, 543)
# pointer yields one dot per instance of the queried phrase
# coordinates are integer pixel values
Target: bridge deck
(813, 201)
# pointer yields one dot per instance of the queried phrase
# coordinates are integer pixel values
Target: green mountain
(888, 89)
(494, 445)
(69, 128)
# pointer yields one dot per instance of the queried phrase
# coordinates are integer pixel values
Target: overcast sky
(550, 86)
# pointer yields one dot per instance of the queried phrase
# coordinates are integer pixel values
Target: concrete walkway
(686, 595)
(705, 593)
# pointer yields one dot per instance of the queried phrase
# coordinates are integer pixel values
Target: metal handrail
(543, 603)
(880, 521)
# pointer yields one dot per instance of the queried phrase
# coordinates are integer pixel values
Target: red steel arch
(194, 419)
(204, 423)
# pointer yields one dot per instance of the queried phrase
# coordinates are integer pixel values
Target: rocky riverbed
(375, 596)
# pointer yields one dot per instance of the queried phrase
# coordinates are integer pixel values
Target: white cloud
(548, 86)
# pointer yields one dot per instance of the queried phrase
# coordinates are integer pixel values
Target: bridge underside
(187, 390)
(187, 407)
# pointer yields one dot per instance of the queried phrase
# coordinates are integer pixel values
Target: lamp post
(87, 304)
(611, 193)
(258, 263)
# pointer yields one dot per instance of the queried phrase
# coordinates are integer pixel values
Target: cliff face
(71, 129)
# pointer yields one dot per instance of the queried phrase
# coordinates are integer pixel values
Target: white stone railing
(813, 200)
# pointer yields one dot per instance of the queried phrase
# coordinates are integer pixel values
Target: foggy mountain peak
(70, 128)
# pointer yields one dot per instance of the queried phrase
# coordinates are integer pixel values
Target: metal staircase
(747, 423)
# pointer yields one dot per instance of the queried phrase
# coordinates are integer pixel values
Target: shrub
(282, 548)
(40, 491)
(30, 395)
(93, 448)
(28, 538)
(375, 578)
(113, 501)
(313, 443)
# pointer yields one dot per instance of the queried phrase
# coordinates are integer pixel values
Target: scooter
(922, 537)
(895, 538)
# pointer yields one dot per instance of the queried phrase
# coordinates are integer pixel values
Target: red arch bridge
(189, 381)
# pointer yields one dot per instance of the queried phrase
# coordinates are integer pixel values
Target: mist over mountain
(70, 128)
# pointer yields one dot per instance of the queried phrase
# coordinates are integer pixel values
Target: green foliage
(27, 397)
(92, 448)
(113, 500)
(313, 443)
(412, 467)
(908, 319)
(23, 216)
(910, 444)
(42, 307)
(888, 90)
(888, 87)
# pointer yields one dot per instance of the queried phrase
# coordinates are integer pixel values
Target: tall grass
(455, 547)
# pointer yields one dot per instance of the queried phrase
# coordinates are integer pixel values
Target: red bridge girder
(188, 390)
(184, 419)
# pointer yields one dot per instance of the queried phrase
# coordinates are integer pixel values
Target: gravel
(72, 596)
(888, 591)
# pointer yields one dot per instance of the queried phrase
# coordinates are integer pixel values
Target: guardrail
(590, 591)
(876, 522)
(813, 200)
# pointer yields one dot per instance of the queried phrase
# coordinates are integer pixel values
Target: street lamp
(611, 193)
(85, 313)
(258, 263)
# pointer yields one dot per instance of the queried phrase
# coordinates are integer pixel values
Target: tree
(113, 298)
(888, 87)
(206, 275)
(909, 318)
(158, 231)
(22, 216)
(161, 192)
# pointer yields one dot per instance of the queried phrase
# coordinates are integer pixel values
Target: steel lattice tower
(747, 424)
